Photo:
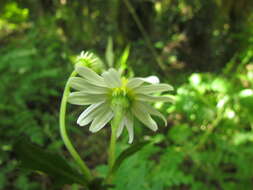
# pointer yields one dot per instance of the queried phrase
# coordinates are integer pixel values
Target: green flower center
(121, 97)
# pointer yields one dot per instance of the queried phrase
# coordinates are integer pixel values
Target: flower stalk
(83, 167)
(114, 127)
(112, 147)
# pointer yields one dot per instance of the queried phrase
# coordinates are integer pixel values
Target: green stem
(112, 148)
(83, 167)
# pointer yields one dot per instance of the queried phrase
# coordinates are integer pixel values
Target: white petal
(90, 75)
(151, 79)
(112, 78)
(134, 82)
(153, 88)
(116, 76)
(138, 81)
(100, 121)
(144, 117)
(93, 114)
(81, 84)
(87, 111)
(150, 110)
(129, 123)
(148, 98)
(81, 98)
(77, 83)
(120, 128)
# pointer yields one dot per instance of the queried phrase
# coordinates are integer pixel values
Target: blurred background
(204, 48)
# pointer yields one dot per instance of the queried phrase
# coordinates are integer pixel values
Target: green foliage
(207, 145)
(127, 153)
(13, 13)
(35, 158)
(208, 141)
(12, 17)
(29, 97)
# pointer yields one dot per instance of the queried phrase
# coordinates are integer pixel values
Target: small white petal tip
(153, 80)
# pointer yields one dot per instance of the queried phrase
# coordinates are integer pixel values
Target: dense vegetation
(204, 48)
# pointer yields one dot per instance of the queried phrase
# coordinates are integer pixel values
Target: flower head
(109, 94)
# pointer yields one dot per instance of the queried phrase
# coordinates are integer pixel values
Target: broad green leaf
(35, 158)
(127, 153)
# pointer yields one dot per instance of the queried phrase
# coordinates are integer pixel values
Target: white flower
(103, 92)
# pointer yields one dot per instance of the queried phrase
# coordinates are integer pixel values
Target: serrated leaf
(127, 153)
(35, 158)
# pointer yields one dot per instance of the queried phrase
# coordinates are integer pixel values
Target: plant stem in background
(83, 167)
(145, 35)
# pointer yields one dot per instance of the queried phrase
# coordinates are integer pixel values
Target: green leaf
(123, 59)
(35, 158)
(3, 180)
(127, 153)
(246, 99)
(109, 55)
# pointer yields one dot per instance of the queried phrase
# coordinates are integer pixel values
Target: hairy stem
(83, 167)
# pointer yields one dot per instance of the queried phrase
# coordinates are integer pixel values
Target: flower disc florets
(121, 96)
(109, 94)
